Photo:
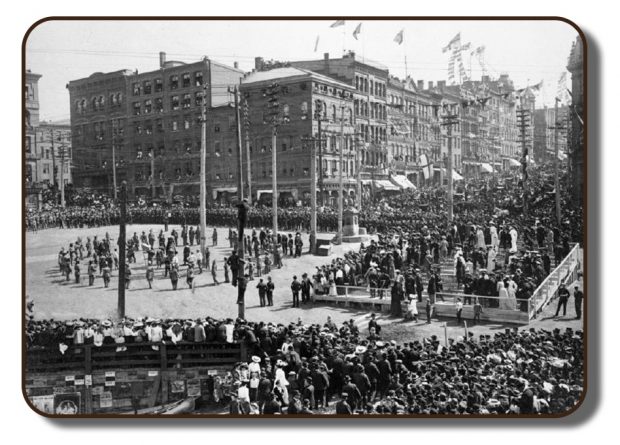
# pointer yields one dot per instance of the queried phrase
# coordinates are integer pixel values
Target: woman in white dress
(491, 259)
(480, 235)
(494, 238)
(503, 296)
(513, 240)
(512, 288)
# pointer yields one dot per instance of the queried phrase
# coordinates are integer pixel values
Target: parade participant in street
(270, 289)
(578, 296)
(262, 292)
(150, 274)
(214, 273)
(174, 277)
(295, 288)
(106, 272)
(190, 276)
(127, 275)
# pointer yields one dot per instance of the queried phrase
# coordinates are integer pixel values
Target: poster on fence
(67, 404)
(193, 388)
(177, 386)
(105, 399)
(43, 403)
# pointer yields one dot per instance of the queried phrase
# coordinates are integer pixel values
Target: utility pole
(114, 134)
(318, 116)
(340, 178)
(241, 236)
(556, 173)
(246, 124)
(448, 120)
(523, 121)
(153, 192)
(358, 192)
(62, 176)
(312, 141)
(273, 105)
(53, 158)
(203, 170)
(122, 249)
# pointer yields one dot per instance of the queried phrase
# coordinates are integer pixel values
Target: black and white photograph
(303, 217)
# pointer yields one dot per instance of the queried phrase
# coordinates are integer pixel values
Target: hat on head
(255, 359)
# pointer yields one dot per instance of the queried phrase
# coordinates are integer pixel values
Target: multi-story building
(576, 145)
(544, 134)
(300, 94)
(491, 134)
(53, 148)
(31, 93)
(449, 98)
(369, 80)
(144, 128)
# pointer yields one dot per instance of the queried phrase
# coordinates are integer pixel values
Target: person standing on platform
(563, 295)
(578, 296)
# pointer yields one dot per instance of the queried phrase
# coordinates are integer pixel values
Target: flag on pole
(357, 30)
(399, 37)
(337, 23)
(316, 43)
(538, 86)
(453, 43)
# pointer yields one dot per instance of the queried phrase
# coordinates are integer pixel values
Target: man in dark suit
(295, 287)
(578, 295)
(262, 292)
(343, 407)
(563, 295)
(355, 396)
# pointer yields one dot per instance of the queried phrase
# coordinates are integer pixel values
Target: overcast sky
(530, 51)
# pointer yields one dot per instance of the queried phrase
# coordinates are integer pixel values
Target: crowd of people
(306, 369)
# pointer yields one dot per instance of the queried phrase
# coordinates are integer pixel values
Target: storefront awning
(514, 162)
(402, 182)
(384, 184)
(486, 167)
(456, 176)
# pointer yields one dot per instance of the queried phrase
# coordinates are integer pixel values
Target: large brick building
(369, 80)
(544, 135)
(300, 93)
(150, 124)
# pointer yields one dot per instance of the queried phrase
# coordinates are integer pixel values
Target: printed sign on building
(67, 404)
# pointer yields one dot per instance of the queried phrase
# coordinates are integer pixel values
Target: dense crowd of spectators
(304, 369)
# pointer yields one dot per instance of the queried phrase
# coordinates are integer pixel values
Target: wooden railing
(88, 358)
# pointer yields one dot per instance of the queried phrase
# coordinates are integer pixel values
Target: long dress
(494, 238)
(512, 294)
(480, 243)
(504, 302)
(491, 260)
(513, 241)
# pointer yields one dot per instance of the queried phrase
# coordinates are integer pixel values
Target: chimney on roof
(325, 56)
(236, 65)
(430, 84)
(441, 84)
(420, 84)
(162, 59)
(259, 63)
(486, 79)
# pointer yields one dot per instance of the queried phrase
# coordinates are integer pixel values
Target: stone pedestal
(351, 232)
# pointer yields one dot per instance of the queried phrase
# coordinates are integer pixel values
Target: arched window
(334, 116)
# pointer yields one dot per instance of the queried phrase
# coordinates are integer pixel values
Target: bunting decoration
(456, 39)
(538, 86)
(426, 166)
(337, 23)
(358, 29)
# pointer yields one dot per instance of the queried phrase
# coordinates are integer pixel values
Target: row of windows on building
(177, 102)
(175, 81)
(374, 110)
(373, 87)
(98, 102)
(414, 108)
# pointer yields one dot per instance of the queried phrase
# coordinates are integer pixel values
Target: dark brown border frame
(294, 18)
